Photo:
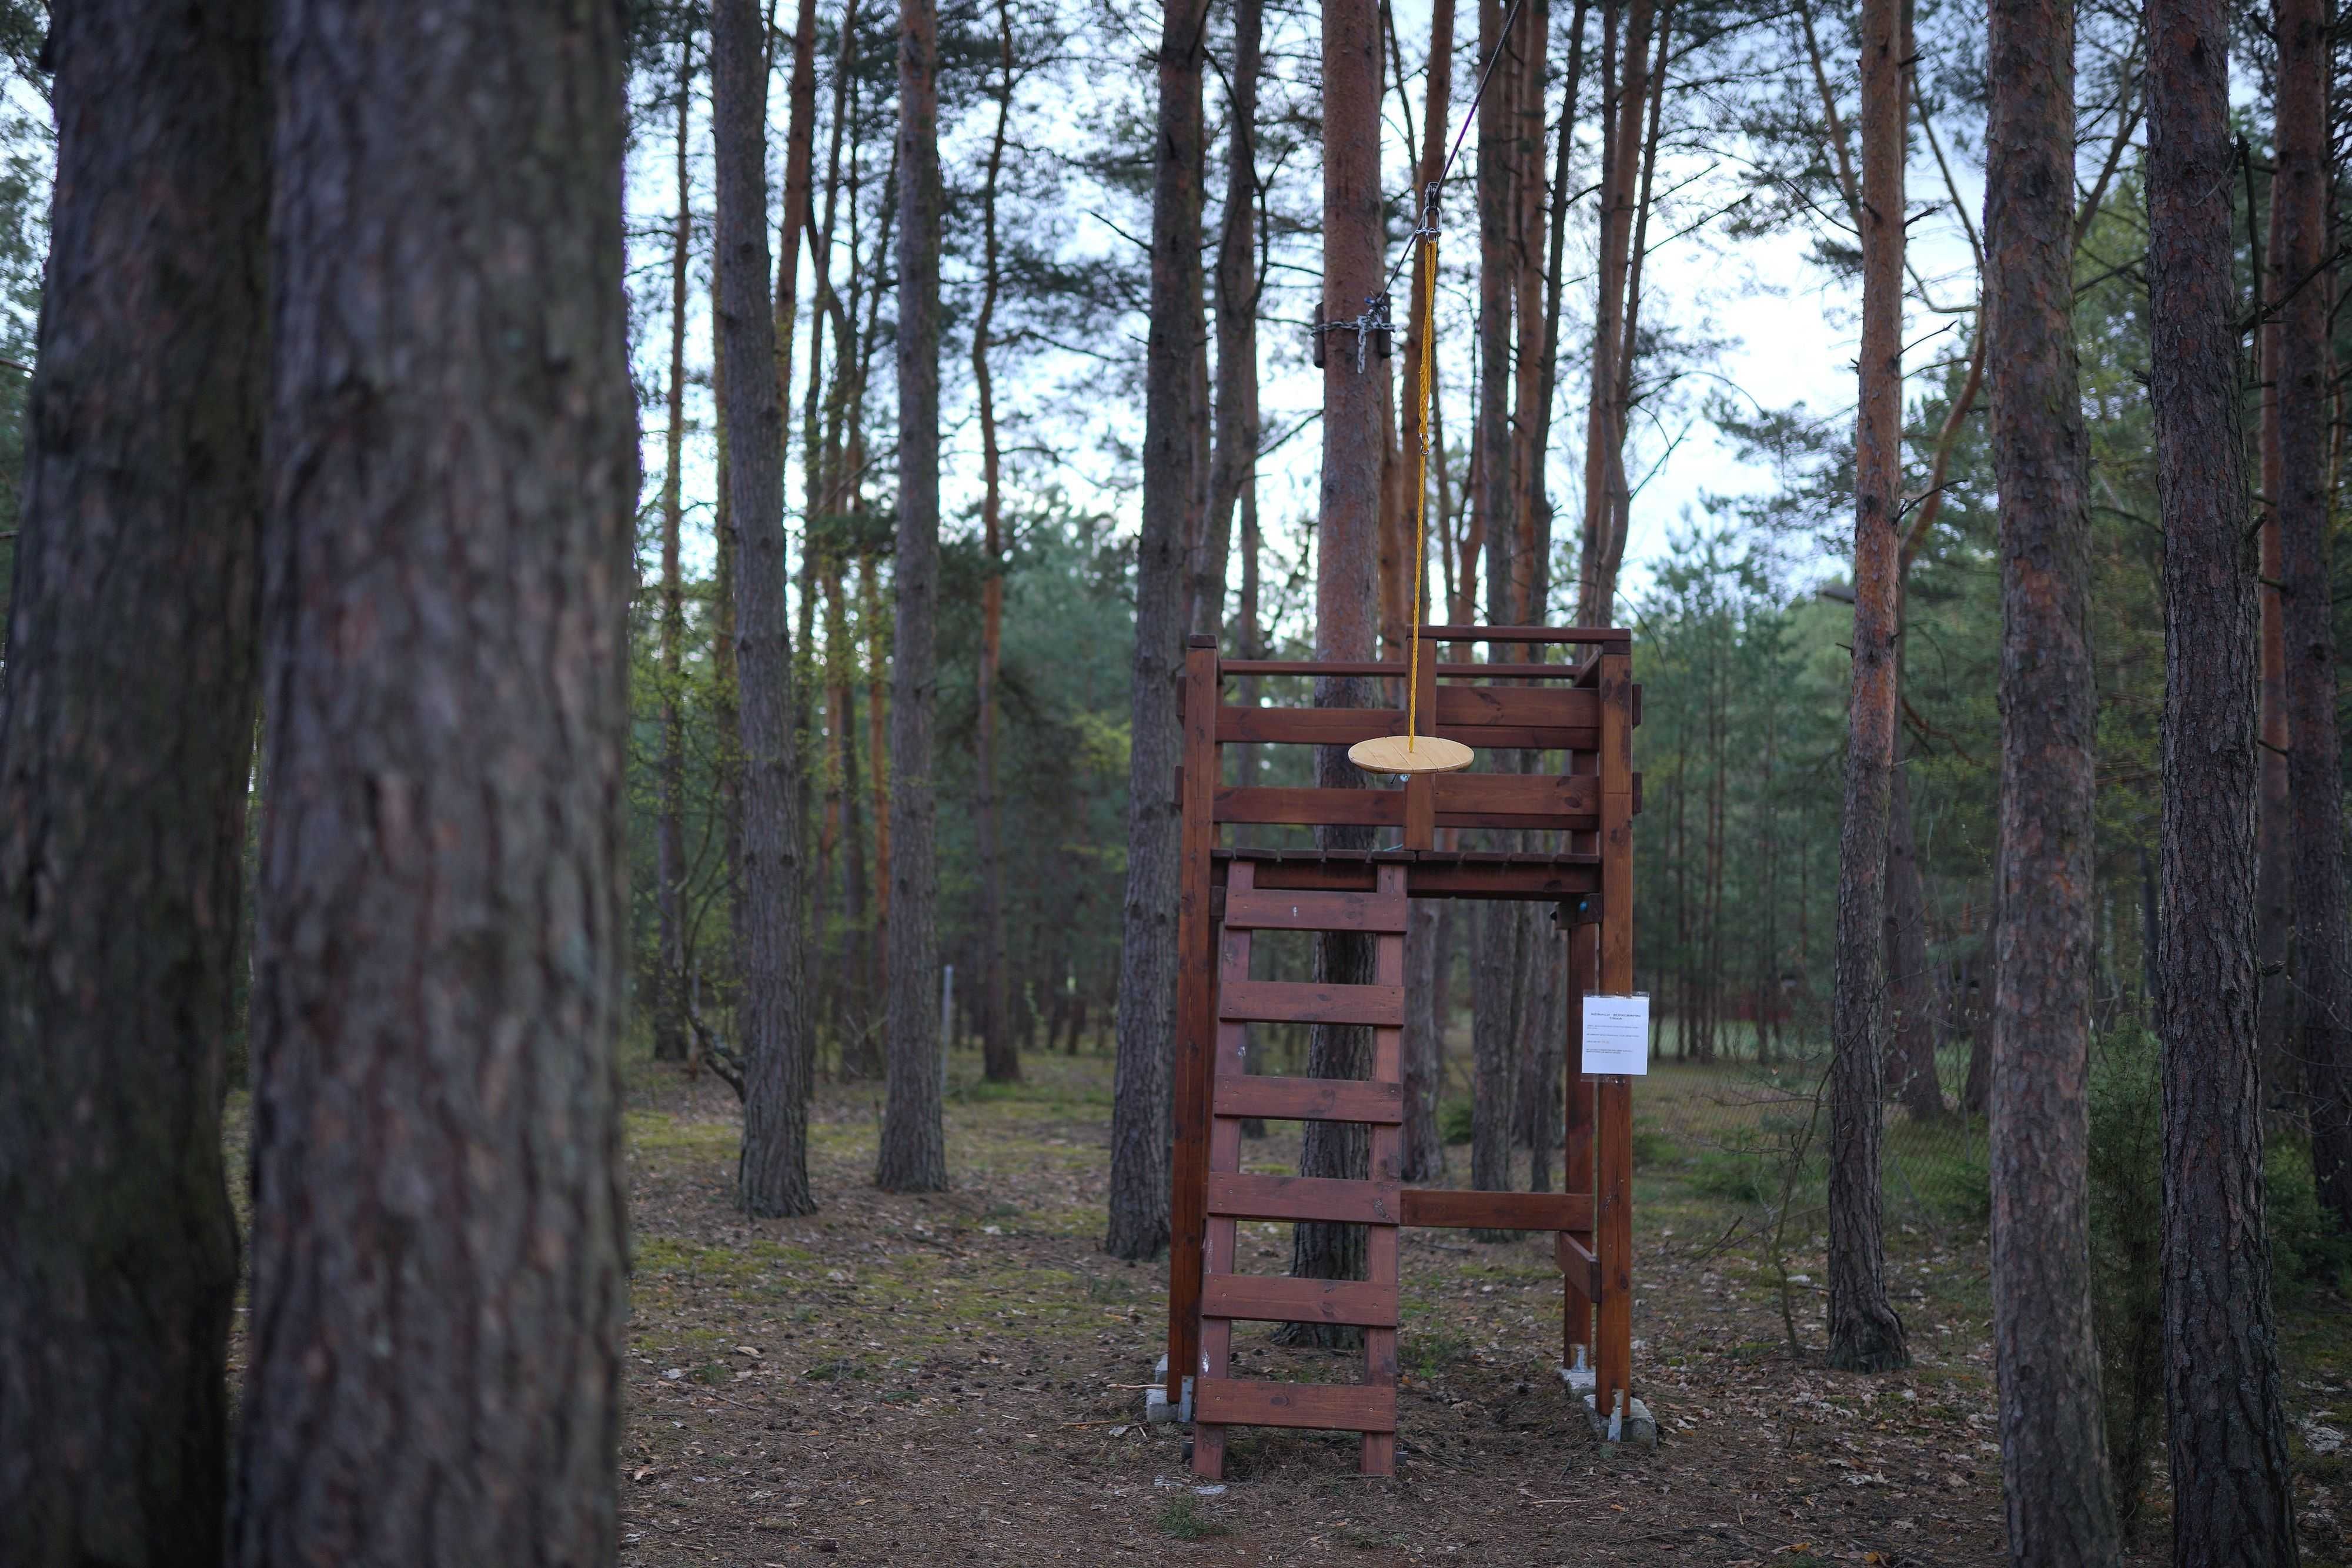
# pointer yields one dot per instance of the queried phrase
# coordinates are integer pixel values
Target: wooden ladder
(1221, 1399)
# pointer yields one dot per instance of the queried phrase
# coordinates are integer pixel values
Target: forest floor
(955, 1378)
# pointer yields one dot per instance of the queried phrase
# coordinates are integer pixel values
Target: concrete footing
(1156, 1408)
(1633, 1424)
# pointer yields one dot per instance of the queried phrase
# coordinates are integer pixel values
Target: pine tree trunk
(438, 1235)
(1346, 566)
(913, 1154)
(1001, 1061)
(2305, 374)
(1865, 1334)
(1233, 462)
(2227, 1428)
(772, 1015)
(126, 744)
(2053, 1454)
(1141, 1131)
(2274, 820)
(669, 835)
(1911, 988)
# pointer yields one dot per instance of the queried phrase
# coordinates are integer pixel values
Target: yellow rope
(1420, 484)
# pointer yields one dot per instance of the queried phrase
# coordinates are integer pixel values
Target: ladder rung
(1293, 1001)
(1315, 912)
(1325, 1406)
(1304, 1198)
(1286, 1300)
(1311, 1100)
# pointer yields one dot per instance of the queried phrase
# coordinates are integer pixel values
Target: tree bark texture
(1424, 1146)
(1355, 401)
(1603, 544)
(913, 1155)
(1914, 1023)
(1001, 1057)
(2227, 1429)
(1865, 1334)
(1141, 1131)
(438, 1234)
(1234, 462)
(773, 1177)
(2053, 1458)
(669, 834)
(2275, 817)
(126, 737)
(2305, 373)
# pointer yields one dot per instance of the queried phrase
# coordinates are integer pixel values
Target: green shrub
(1741, 1177)
(1455, 1120)
(1653, 1147)
(2308, 1247)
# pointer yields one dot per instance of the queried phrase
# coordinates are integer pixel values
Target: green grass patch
(1183, 1518)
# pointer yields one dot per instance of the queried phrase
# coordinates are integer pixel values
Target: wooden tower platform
(1581, 714)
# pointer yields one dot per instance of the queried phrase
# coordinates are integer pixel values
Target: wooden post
(1421, 788)
(1614, 1096)
(1378, 1455)
(1576, 1176)
(1196, 949)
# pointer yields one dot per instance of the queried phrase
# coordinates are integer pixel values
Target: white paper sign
(1617, 1034)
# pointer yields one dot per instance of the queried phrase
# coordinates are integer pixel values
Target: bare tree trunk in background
(1865, 1334)
(877, 759)
(1604, 442)
(1141, 1131)
(1914, 1025)
(438, 1235)
(1001, 1061)
(913, 1154)
(771, 1016)
(1496, 937)
(670, 840)
(725, 710)
(792, 224)
(1355, 393)
(2305, 372)
(2227, 1429)
(132, 640)
(2274, 1013)
(1424, 1147)
(1235, 463)
(2053, 1448)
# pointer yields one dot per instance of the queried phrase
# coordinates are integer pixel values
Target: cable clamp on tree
(1371, 328)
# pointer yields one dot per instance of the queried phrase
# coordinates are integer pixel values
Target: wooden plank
(1460, 1209)
(1470, 672)
(1309, 667)
(1519, 794)
(1583, 634)
(1580, 1269)
(1195, 1015)
(1311, 1100)
(1552, 881)
(1366, 912)
(1304, 1198)
(1284, 1300)
(1300, 1002)
(1533, 707)
(1346, 726)
(1319, 1407)
(1342, 807)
